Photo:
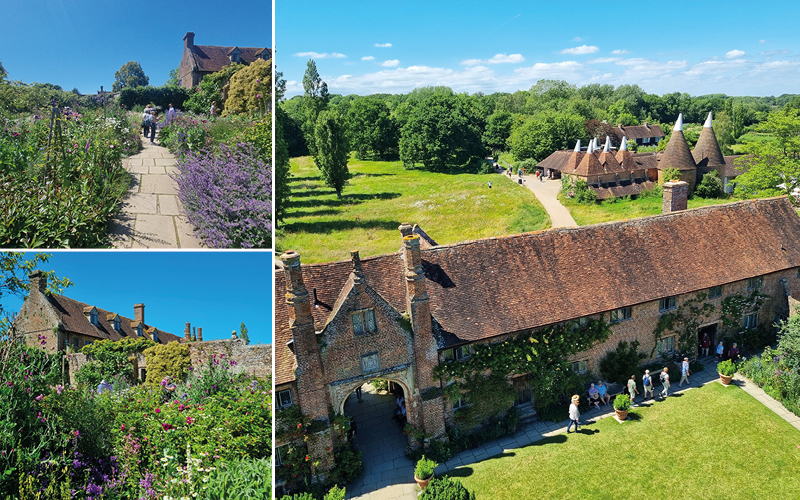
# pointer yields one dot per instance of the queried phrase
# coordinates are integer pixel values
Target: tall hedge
(251, 88)
(158, 96)
(171, 359)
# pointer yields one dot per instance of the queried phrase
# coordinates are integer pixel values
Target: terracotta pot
(726, 380)
(422, 483)
(621, 414)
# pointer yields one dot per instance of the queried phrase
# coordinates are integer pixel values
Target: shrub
(622, 402)
(618, 365)
(210, 89)
(167, 360)
(250, 88)
(446, 489)
(424, 468)
(671, 174)
(710, 186)
(227, 196)
(578, 190)
(727, 368)
(109, 359)
(161, 97)
(241, 480)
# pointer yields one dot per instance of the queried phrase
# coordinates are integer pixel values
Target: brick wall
(255, 359)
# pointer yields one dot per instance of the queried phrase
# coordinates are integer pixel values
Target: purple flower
(87, 146)
(39, 397)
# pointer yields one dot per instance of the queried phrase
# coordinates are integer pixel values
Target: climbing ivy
(735, 307)
(684, 321)
(108, 359)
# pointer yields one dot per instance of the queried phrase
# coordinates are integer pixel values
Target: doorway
(711, 331)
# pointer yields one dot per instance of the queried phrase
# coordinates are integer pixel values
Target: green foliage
(424, 468)
(281, 167)
(684, 321)
(315, 100)
(545, 133)
(210, 90)
(380, 385)
(618, 365)
(250, 89)
(710, 186)
(260, 135)
(777, 375)
(130, 74)
(789, 341)
(109, 359)
(442, 132)
(173, 80)
(371, 131)
(734, 308)
(727, 368)
(577, 189)
(160, 97)
(332, 149)
(622, 402)
(243, 334)
(170, 360)
(671, 174)
(498, 130)
(488, 395)
(241, 480)
(446, 488)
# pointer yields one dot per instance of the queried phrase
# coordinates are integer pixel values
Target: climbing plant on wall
(684, 321)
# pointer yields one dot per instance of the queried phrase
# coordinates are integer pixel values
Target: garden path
(363, 490)
(547, 193)
(151, 214)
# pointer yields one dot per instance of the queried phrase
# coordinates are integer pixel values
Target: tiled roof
(484, 288)
(731, 168)
(706, 152)
(639, 131)
(564, 161)
(625, 188)
(677, 155)
(212, 58)
(70, 313)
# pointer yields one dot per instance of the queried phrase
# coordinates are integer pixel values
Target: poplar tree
(332, 150)
(315, 100)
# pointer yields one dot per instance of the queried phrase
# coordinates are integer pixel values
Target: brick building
(396, 316)
(201, 60)
(623, 173)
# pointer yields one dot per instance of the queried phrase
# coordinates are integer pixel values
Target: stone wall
(255, 359)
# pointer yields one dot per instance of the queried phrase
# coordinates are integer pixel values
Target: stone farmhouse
(397, 316)
(623, 173)
(644, 135)
(201, 60)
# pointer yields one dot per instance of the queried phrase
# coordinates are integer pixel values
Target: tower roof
(707, 152)
(677, 155)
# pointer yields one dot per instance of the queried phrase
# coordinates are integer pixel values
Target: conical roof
(625, 157)
(707, 151)
(589, 165)
(574, 159)
(607, 160)
(677, 154)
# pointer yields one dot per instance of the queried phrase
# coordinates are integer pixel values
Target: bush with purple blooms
(227, 195)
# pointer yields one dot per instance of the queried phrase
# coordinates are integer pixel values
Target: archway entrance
(379, 437)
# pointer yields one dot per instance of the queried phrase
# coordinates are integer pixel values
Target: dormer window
(117, 325)
(93, 317)
(235, 55)
(139, 330)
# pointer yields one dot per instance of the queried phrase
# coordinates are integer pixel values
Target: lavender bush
(226, 195)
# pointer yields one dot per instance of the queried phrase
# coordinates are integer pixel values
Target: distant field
(626, 208)
(381, 195)
(751, 137)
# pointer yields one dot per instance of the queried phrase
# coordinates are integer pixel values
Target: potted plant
(726, 370)
(423, 472)
(622, 405)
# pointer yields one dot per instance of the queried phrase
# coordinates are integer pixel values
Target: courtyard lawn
(626, 208)
(711, 442)
(382, 195)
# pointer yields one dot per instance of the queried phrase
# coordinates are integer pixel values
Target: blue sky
(363, 47)
(216, 291)
(82, 43)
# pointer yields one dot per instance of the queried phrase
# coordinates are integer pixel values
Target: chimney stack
(676, 196)
(38, 281)
(200, 334)
(188, 40)
(138, 312)
(406, 229)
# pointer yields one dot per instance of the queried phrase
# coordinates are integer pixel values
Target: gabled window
(665, 345)
(364, 322)
(714, 292)
(755, 282)
(284, 398)
(667, 303)
(93, 317)
(579, 366)
(621, 314)
(139, 330)
(750, 321)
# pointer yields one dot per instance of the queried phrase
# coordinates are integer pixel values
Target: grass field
(625, 208)
(382, 195)
(707, 443)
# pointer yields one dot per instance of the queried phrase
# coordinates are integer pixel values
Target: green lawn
(707, 443)
(625, 208)
(382, 195)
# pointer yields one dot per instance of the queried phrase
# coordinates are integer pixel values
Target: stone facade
(198, 61)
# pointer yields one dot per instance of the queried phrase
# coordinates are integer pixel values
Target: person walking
(153, 124)
(647, 383)
(574, 413)
(146, 121)
(705, 344)
(720, 350)
(733, 354)
(684, 372)
(632, 388)
(213, 108)
(665, 382)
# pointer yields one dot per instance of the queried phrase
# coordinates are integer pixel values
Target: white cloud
(734, 53)
(367, 58)
(770, 53)
(383, 45)
(391, 63)
(320, 55)
(604, 76)
(619, 52)
(577, 39)
(601, 60)
(566, 70)
(763, 41)
(497, 59)
(583, 49)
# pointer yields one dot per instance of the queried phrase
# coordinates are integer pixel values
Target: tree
(545, 133)
(789, 341)
(14, 272)
(243, 334)
(441, 132)
(282, 173)
(710, 186)
(3, 72)
(250, 89)
(498, 130)
(130, 74)
(315, 100)
(372, 132)
(332, 150)
(173, 80)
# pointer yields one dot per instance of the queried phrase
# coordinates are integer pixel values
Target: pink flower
(39, 397)
(158, 410)
(122, 428)
(189, 420)
(59, 389)
(77, 434)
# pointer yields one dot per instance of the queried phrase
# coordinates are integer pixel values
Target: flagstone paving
(151, 214)
(389, 475)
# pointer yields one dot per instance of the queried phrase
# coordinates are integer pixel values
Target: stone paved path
(547, 193)
(403, 487)
(151, 215)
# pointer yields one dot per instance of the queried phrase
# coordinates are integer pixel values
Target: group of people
(150, 120)
(733, 353)
(400, 411)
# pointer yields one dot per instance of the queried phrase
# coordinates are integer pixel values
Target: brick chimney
(188, 40)
(38, 282)
(676, 196)
(138, 312)
(187, 332)
(200, 334)
(406, 229)
(358, 273)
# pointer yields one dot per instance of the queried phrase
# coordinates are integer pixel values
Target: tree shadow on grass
(349, 199)
(304, 179)
(312, 213)
(307, 193)
(340, 225)
(373, 175)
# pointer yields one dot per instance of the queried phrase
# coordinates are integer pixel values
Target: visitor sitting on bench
(594, 396)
